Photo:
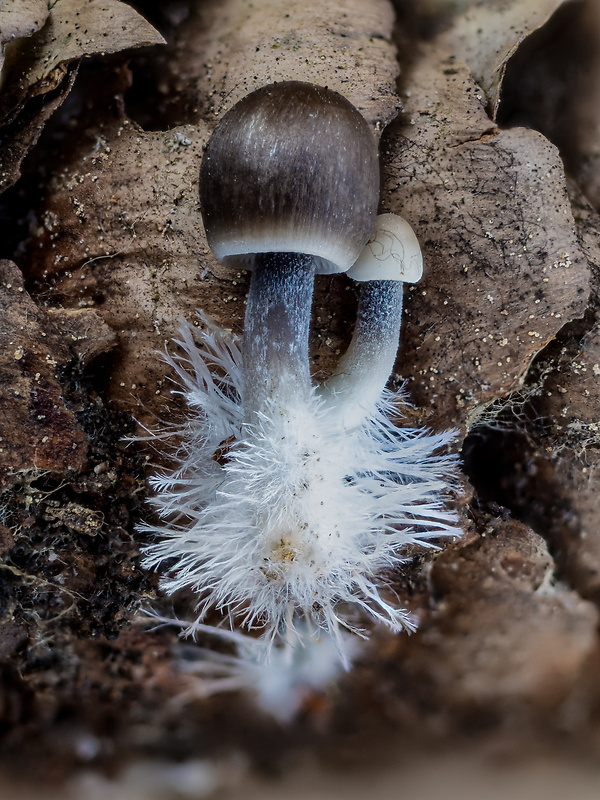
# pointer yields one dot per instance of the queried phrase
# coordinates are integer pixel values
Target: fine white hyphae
(280, 684)
(392, 253)
(289, 523)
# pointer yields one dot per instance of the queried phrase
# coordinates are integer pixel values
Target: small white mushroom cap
(391, 254)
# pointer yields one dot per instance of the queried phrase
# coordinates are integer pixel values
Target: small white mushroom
(392, 253)
(391, 258)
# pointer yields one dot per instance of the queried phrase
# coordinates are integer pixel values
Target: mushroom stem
(364, 369)
(275, 350)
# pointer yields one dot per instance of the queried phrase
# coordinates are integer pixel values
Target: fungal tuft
(290, 502)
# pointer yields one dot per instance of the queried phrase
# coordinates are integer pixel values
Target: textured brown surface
(490, 33)
(568, 403)
(228, 48)
(127, 241)
(503, 268)
(504, 632)
(544, 86)
(20, 18)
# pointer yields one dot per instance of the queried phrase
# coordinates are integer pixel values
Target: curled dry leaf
(553, 85)
(572, 517)
(19, 133)
(73, 29)
(489, 34)
(503, 268)
(585, 108)
(20, 18)
(37, 77)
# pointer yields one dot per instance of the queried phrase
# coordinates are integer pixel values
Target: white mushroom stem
(275, 349)
(363, 371)
(391, 258)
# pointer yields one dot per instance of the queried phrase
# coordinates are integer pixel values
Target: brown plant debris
(502, 631)
(20, 18)
(489, 34)
(37, 75)
(227, 50)
(503, 268)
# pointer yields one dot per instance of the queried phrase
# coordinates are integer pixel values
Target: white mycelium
(290, 516)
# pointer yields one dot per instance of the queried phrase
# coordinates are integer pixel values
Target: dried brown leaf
(74, 28)
(230, 49)
(37, 77)
(553, 85)
(21, 135)
(127, 239)
(575, 532)
(20, 18)
(486, 37)
(503, 268)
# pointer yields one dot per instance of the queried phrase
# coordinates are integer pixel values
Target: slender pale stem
(275, 350)
(367, 364)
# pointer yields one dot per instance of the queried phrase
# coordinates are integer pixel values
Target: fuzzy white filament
(280, 685)
(288, 521)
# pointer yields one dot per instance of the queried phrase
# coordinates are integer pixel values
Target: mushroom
(391, 258)
(274, 516)
(289, 187)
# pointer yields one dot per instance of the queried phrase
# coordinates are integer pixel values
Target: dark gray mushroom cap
(290, 168)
